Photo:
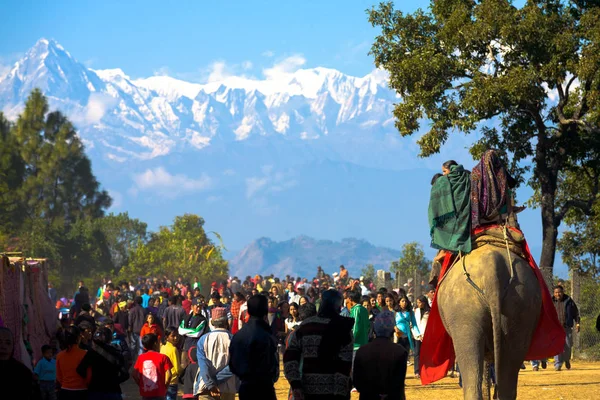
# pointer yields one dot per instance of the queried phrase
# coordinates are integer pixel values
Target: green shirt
(362, 325)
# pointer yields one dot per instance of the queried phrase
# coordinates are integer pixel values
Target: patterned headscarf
(384, 324)
(490, 183)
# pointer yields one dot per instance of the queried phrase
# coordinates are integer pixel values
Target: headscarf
(384, 324)
(490, 184)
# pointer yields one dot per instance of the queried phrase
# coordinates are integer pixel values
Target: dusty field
(582, 382)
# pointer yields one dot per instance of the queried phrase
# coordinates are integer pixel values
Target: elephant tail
(496, 313)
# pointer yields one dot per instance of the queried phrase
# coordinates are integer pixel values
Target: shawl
(490, 183)
(450, 211)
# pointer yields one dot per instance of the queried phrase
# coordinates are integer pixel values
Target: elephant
(490, 317)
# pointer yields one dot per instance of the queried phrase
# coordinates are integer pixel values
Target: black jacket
(136, 318)
(108, 369)
(571, 311)
(253, 353)
(192, 321)
(188, 379)
(380, 368)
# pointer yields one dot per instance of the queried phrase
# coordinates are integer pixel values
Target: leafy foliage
(182, 249)
(532, 74)
(412, 260)
(368, 272)
(53, 207)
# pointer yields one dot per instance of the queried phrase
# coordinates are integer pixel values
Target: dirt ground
(582, 382)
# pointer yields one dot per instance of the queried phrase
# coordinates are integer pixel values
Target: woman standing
(292, 321)
(405, 319)
(236, 305)
(390, 303)
(421, 315)
(72, 385)
(151, 327)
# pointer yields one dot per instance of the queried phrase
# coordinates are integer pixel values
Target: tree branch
(585, 206)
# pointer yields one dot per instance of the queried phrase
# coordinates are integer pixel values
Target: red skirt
(437, 351)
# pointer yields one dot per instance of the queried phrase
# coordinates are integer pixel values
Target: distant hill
(301, 256)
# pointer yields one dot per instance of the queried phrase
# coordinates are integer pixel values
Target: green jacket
(362, 325)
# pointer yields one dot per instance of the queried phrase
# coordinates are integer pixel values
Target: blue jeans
(172, 392)
(48, 390)
(136, 344)
(536, 363)
(566, 354)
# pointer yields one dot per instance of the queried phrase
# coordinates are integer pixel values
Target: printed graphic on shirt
(150, 376)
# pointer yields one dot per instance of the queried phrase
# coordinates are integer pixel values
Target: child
(151, 327)
(188, 378)
(152, 370)
(45, 373)
(170, 350)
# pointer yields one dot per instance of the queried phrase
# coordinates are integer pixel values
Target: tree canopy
(412, 261)
(528, 79)
(53, 207)
(182, 249)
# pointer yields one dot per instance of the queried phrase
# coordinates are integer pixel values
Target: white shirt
(363, 289)
(294, 298)
(421, 322)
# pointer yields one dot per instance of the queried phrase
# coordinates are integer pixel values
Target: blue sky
(185, 38)
(192, 39)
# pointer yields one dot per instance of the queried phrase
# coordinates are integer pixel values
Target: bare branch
(568, 88)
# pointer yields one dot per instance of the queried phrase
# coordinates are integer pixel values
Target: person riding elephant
(491, 191)
(450, 209)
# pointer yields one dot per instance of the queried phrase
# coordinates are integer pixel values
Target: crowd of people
(174, 341)
(336, 335)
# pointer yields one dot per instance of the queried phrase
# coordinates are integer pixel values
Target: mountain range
(130, 119)
(300, 256)
(307, 152)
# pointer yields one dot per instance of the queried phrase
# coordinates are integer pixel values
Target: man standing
(430, 294)
(380, 366)
(292, 296)
(174, 313)
(52, 293)
(215, 298)
(215, 380)
(194, 326)
(568, 316)
(136, 319)
(253, 354)
(318, 359)
(361, 320)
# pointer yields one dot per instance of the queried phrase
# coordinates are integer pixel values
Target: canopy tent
(25, 306)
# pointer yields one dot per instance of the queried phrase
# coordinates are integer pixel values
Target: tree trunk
(547, 169)
(549, 239)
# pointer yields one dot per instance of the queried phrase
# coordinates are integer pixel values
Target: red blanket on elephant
(437, 351)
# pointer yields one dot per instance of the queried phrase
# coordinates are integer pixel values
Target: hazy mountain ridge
(301, 256)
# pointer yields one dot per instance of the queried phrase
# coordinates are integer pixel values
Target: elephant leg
(470, 362)
(508, 376)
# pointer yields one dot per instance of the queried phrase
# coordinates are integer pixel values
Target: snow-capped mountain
(126, 118)
(311, 152)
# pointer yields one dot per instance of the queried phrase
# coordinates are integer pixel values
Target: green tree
(123, 234)
(368, 272)
(463, 64)
(54, 196)
(580, 246)
(12, 169)
(182, 249)
(412, 262)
